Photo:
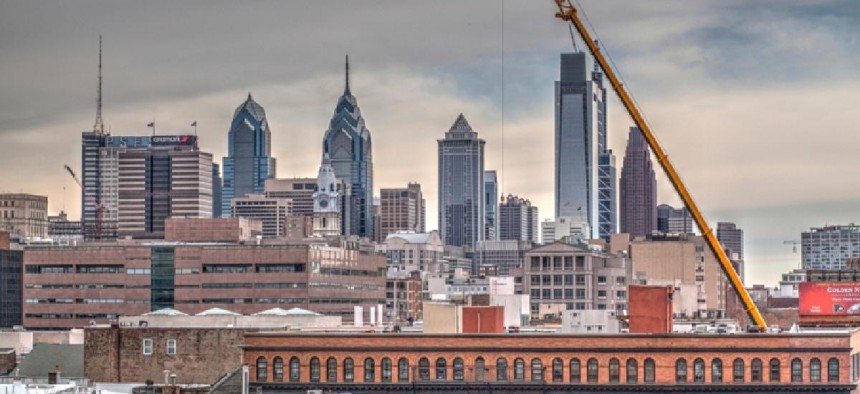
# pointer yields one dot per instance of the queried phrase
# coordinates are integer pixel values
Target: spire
(99, 126)
(346, 90)
(249, 96)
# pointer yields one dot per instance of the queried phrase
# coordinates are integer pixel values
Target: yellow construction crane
(567, 12)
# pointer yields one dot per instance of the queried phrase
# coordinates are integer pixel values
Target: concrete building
(461, 185)
(401, 209)
(227, 230)
(249, 160)
(491, 203)
(561, 277)
(502, 256)
(589, 321)
(404, 296)
(674, 220)
(829, 247)
(271, 212)
(408, 251)
(564, 228)
(518, 220)
(638, 188)
(64, 231)
(24, 215)
(298, 190)
(11, 285)
(685, 262)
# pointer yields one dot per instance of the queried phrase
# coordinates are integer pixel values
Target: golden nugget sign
(830, 298)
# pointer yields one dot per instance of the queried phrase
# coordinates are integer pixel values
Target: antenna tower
(99, 126)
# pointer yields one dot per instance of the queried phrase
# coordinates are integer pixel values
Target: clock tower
(326, 202)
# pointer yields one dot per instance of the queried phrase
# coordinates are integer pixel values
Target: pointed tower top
(346, 89)
(249, 96)
(461, 124)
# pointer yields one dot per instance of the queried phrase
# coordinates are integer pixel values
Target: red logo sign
(829, 298)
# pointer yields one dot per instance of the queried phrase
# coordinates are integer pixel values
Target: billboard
(829, 299)
(174, 140)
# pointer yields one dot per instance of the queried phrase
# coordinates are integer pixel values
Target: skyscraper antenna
(347, 73)
(99, 126)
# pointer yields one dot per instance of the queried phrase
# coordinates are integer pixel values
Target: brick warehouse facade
(280, 362)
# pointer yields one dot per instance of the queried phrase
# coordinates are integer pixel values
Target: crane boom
(567, 12)
(72, 173)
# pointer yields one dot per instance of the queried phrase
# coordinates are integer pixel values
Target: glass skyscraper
(638, 188)
(461, 185)
(347, 142)
(249, 160)
(491, 203)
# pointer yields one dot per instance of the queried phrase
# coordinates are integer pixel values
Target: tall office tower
(171, 178)
(518, 220)
(829, 247)
(674, 220)
(347, 142)
(461, 185)
(326, 218)
(491, 203)
(584, 166)
(732, 239)
(217, 185)
(401, 209)
(638, 188)
(249, 160)
(299, 190)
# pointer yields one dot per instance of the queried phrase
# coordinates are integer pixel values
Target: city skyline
(737, 83)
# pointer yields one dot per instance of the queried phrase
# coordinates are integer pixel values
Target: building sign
(174, 140)
(829, 299)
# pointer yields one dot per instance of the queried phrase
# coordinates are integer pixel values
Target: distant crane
(793, 245)
(100, 207)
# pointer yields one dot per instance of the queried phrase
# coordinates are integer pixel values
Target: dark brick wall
(7, 362)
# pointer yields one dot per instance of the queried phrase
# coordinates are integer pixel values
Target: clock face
(324, 204)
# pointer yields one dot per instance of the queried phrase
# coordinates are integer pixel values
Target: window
(575, 371)
(147, 346)
(501, 370)
(403, 370)
(331, 370)
(261, 369)
(775, 370)
(601, 280)
(171, 346)
(716, 371)
(315, 370)
(755, 370)
(537, 370)
(458, 369)
(815, 370)
(519, 369)
(348, 370)
(278, 369)
(369, 370)
(614, 370)
(441, 369)
(386, 370)
(601, 294)
(424, 369)
(632, 371)
(557, 370)
(480, 369)
(833, 370)
(591, 370)
(681, 371)
(796, 370)
(738, 370)
(649, 370)
(699, 371)
(295, 370)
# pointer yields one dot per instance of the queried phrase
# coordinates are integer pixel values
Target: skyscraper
(732, 239)
(217, 185)
(584, 166)
(674, 220)
(638, 188)
(401, 209)
(249, 160)
(829, 247)
(461, 185)
(347, 142)
(491, 203)
(518, 220)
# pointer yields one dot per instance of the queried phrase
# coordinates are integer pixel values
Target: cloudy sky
(753, 101)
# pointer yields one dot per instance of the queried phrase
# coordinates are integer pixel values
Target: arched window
(681, 370)
(614, 370)
(369, 370)
(796, 370)
(386, 370)
(632, 371)
(519, 369)
(403, 370)
(294, 369)
(315, 369)
(331, 370)
(650, 370)
(698, 371)
(261, 369)
(278, 369)
(815, 370)
(755, 370)
(833, 370)
(424, 369)
(775, 370)
(480, 369)
(716, 371)
(738, 370)
(557, 370)
(591, 370)
(575, 371)
(501, 370)
(458, 369)
(537, 370)
(348, 370)
(441, 369)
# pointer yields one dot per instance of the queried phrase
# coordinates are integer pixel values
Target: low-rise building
(410, 251)
(272, 212)
(24, 215)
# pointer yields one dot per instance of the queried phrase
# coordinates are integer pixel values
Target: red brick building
(650, 309)
(282, 362)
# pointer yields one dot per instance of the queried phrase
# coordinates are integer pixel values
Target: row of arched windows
(439, 370)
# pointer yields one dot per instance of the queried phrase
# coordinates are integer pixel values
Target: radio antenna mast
(99, 126)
